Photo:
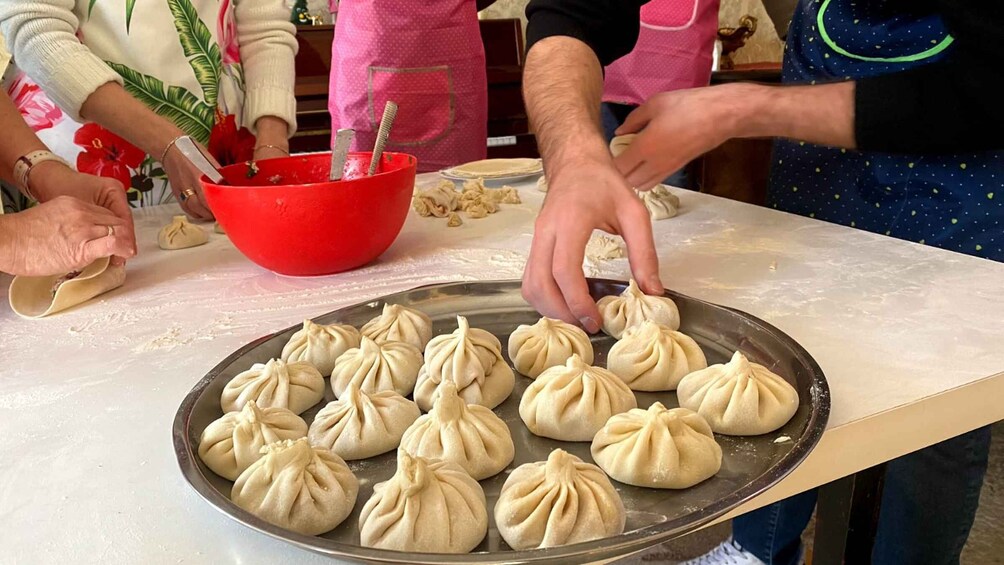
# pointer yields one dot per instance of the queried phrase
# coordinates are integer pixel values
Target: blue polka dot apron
(954, 202)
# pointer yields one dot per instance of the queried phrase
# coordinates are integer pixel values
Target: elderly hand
(584, 193)
(184, 177)
(676, 127)
(50, 180)
(59, 236)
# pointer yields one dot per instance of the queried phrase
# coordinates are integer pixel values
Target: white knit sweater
(42, 35)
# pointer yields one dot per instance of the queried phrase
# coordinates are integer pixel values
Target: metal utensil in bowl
(191, 150)
(339, 152)
(386, 122)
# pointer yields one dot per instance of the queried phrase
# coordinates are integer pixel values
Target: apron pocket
(425, 100)
(669, 15)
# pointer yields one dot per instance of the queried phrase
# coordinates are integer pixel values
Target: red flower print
(106, 154)
(226, 33)
(228, 144)
(38, 111)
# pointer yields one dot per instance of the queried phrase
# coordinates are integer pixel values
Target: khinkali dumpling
(471, 436)
(400, 323)
(633, 307)
(428, 506)
(560, 501)
(546, 344)
(296, 486)
(658, 448)
(232, 443)
(373, 367)
(739, 398)
(360, 425)
(650, 357)
(296, 386)
(573, 401)
(320, 345)
(181, 234)
(472, 360)
(660, 202)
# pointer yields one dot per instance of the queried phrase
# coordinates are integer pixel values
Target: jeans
(612, 116)
(929, 501)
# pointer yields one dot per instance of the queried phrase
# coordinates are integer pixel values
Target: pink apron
(425, 55)
(674, 51)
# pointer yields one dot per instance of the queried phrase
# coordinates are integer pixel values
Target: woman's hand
(184, 177)
(59, 236)
(272, 138)
(51, 179)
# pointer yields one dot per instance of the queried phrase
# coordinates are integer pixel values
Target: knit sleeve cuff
(268, 100)
(78, 75)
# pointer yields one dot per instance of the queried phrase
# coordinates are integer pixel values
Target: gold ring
(186, 194)
(111, 230)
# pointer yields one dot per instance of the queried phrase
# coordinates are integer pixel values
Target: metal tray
(749, 465)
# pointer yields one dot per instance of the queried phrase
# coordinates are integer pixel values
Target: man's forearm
(821, 114)
(563, 84)
(116, 110)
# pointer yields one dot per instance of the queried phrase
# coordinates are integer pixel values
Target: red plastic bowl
(291, 220)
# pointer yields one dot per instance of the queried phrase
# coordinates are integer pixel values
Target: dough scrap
(542, 183)
(181, 234)
(605, 248)
(454, 221)
(437, 201)
(36, 297)
(561, 501)
(739, 398)
(658, 448)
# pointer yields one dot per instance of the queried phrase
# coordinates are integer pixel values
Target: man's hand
(676, 127)
(59, 236)
(583, 196)
(50, 180)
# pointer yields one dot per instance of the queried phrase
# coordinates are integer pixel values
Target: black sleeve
(951, 106)
(609, 27)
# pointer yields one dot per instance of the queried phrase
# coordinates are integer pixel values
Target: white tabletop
(909, 338)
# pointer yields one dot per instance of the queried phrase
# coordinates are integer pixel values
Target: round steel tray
(749, 465)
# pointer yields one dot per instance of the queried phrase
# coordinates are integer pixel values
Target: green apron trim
(948, 40)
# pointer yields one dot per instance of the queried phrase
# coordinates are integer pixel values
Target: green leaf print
(192, 115)
(199, 46)
(130, 4)
(90, 7)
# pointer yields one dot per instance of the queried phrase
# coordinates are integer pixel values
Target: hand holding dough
(181, 234)
(35, 297)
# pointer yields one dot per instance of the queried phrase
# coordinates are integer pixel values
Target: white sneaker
(727, 553)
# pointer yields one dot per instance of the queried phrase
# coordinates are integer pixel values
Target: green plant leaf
(192, 115)
(199, 46)
(130, 4)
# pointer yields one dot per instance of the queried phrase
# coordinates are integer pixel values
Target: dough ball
(548, 343)
(558, 502)
(305, 489)
(391, 365)
(633, 307)
(471, 436)
(360, 425)
(181, 234)
(232, 443)
(658, 448)
(650, 357)
(542, 183)
(620, 143)
(400, 323)
(472, 360)
(296, 386)
(572, 402)
(428, 506)
(739, 398)
(320, 345)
